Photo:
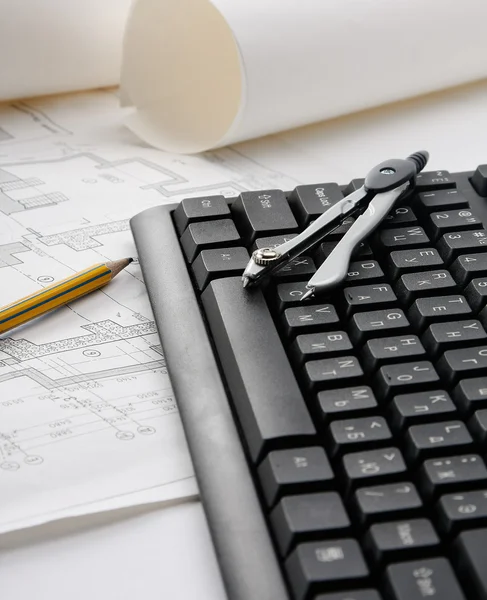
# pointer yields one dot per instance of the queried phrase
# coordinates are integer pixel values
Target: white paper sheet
(202, 74)
(51, 46)
(87, 416)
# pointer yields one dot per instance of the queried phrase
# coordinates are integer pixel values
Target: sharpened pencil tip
(245, 281)
(308, 294)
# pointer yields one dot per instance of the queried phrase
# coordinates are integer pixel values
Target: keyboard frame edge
(246, 555)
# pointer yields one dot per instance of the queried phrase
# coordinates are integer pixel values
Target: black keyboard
(339, 443)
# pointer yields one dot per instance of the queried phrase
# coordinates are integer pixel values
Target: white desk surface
(166, 553)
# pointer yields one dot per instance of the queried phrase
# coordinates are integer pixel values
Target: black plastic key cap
(401, 215)
(434, 180)
(324, 250)
(402, 540)
(476, 293)
(391, 349)
(351, 595)
(431, 578)
(479, 180)
(319, 566)
(387, 502)
(451, 220)
(406, 377)
(365, 325)
(307, 517)
(339, 232)
(364, 271)
(298, 268)
(328, 372)
(455, 473)
(265, 394)
(440, 308)
(219, 262)
(471, 394)
(310, 201)
(460, 242)
(428, 283)
(467, 266)
(320, 345)
(208, 234)
(465, 362)
(285, 472)
(272, 241)
(410, 237)
(289, 294)
(437, 439)
(440, 337)
(417, 259)
(421, 407)
(357, 434)
(263, 213)
(373, 466)
(470, 551)
(308, 318)
(361, 297)
(441, 200)
(347, 402)
(478, 426)
(204, 208)
(463, 510)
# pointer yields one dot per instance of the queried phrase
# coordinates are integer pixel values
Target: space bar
(265, 394)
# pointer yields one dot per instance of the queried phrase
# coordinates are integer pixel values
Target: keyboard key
(221, 262)
(404, 261)
(298, 268)
(448, 336)
(406, 377)
(373, 466)
(320, 345)
(472, 560)
(264, 391)
(318, 566)
(441, 199)
(429, 283)
(285, 472)
(476, 293)
(455, 364)
(310, 201)
(204, 208)
(346, 402)
(289, 294)
(434, 180)
(467, 266)
(208, 234)
(426, 578)
(272, 241)
(353, 186)
(359, 297)
(339, 232)
(391, 349)
(365, 325)
(308, 318)
(412, 237)
(357, 434)
(387, 502)
(364, 271)
(451, 220)
(351, 595)
(452, 244)
(421, 407)
(402, 540)
(437, 439)
(326, 248)
(440, 308)
(456, 473)
(479, 180)
(462, 511)
(329, 371)
(478, 426)
(307, 517)
(401, 215)
(263, 213)
(471, 394)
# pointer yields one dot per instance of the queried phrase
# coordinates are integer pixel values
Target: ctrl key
(420, 579)
(323, 566)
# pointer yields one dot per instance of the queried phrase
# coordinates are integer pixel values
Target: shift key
(262, 213)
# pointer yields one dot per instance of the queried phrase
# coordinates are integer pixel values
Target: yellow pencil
(59, 293)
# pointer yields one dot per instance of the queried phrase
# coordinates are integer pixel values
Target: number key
(476, 293)
(450, 220)
(441, 200)
(459, 242)
(467, 266)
